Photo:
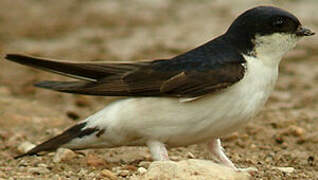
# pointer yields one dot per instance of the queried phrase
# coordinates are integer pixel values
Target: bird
(198, 96)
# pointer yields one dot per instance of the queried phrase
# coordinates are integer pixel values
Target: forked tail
(77, 131)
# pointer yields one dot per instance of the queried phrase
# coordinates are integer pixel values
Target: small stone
(174, 158)
(72, 115)
(296, 131)
(311, 160)
(190, 155)
(92, 174)
(135, 155)
(42, 165)
(108, 174)
(141, 170)
(285, 169)
(144, 164)
(123, 173)
(279, 140)
(95, 161)
(25, 147)
(63, 154)
(82, 101)
(130, 168)
(231, 137)
(52, 132)
(253, 146)
(116, 169)
(38, 170)
(191, 169)
(82, 172)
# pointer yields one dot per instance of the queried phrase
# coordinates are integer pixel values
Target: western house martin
(195, 97)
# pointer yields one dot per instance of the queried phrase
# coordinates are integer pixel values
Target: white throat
(271, 48)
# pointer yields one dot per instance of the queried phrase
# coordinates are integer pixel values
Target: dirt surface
(285, 134)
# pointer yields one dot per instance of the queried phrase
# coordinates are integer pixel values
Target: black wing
(172, 78)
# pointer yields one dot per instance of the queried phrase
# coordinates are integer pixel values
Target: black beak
(304, 32)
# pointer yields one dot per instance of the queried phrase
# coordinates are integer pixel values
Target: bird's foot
(216, 149)
(251, 170)
(158, 151)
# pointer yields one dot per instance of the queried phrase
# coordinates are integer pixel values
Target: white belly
(133, 121)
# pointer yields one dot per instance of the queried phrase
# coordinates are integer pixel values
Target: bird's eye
(279, 22)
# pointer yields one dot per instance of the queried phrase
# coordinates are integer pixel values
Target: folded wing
(154, 78)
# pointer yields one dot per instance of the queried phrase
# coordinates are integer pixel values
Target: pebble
(279, 140)
(232, 136)
(190, 169)
(136, 154)
(63, 154)
(95, 161)
(72, 115)
(285, 169)
(296, 131)
(25, 147)
(38, 170)
(42, 165)
(92, 174)
(130, 168)
(108, 174)
(141, 170)
(174, 158)
(123, 173)
(144, 164)
(82, 101)
(82, 172)
(190, 155)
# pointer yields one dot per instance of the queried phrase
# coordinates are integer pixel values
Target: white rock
(285, 169)
(63, 154)
(193, 169)
(25, 147)
(141, 170)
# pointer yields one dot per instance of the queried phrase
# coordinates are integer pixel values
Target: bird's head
(266, 31)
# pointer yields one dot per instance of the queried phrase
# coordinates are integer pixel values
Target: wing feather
(138, 79)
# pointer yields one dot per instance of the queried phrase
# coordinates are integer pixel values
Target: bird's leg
(217, 150)
(158, 151)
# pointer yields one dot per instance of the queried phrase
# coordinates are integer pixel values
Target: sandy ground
(285, 134)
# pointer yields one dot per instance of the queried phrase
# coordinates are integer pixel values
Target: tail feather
(75, 87)
(77, 131)
(61, 85)
(84, 71)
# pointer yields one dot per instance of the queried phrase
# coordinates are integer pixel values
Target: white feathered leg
(217, 150)
(158, 151)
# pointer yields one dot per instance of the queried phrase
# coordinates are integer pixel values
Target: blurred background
(285, 134)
